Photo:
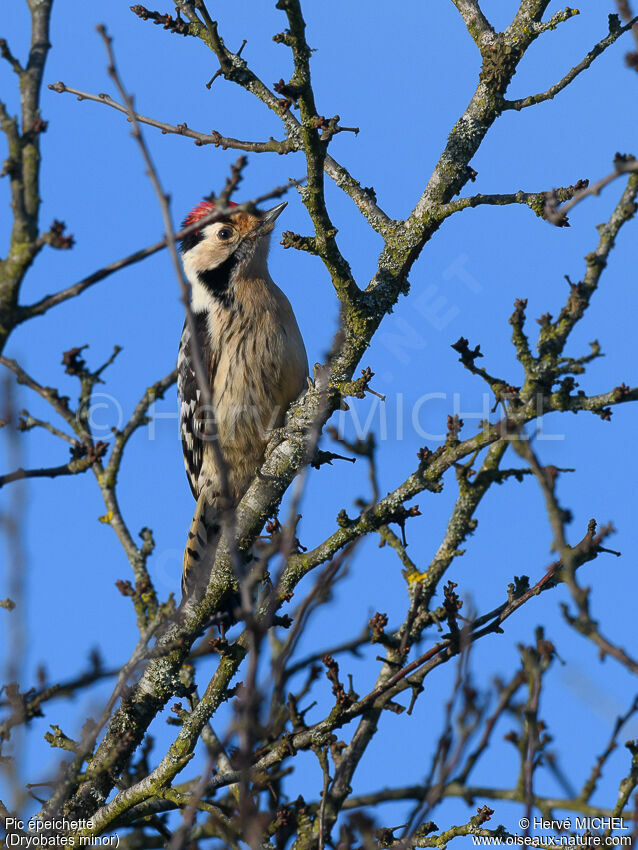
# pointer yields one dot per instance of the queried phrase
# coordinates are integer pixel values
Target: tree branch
(213, 138)
(477, 24)
(536, 201)
(597, 49)
(73, 467)
(558, 214)
(23, 166)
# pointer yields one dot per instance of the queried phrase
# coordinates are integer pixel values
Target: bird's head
(235, 245)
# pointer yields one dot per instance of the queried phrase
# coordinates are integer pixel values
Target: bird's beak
(270, 216)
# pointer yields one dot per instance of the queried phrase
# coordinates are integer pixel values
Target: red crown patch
(202, 209)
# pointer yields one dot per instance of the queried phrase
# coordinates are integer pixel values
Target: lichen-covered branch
(477, 24)
(300, 89)
(536, 201)
(22, 165)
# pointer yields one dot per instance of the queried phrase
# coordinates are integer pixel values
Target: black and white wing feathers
(189, 395)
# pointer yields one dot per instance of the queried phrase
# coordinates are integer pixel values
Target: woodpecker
(254, 359)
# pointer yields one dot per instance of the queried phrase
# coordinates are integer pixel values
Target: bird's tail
(203, 537)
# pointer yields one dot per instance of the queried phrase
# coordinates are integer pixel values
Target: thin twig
(73, 467)
(558, 214)
(214, 138)
(597, 49)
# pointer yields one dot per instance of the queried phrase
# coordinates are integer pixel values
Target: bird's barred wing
(190, 424)
(204, 532)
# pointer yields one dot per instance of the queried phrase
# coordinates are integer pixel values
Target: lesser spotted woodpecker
(254, 359)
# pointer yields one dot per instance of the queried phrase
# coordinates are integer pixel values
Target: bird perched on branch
(254, 365)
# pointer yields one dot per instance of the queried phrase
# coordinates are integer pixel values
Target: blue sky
(403, 74)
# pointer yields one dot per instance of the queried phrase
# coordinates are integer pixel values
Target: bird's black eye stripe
(225, 233)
